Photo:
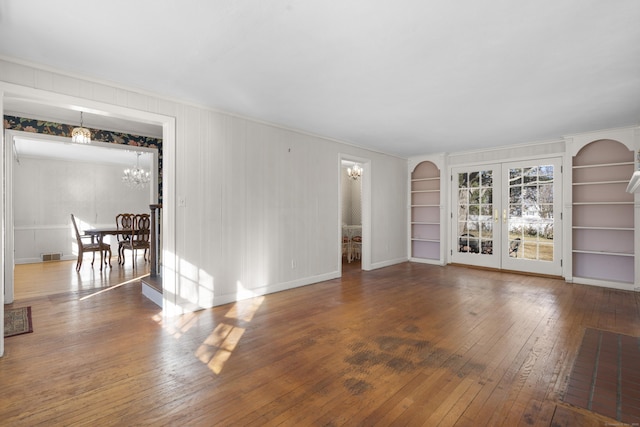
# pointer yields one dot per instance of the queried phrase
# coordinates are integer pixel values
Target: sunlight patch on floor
(110, 288)
(220, 344)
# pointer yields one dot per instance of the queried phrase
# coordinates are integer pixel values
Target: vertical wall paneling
(169, 257)
(251, 205)
(190, 205)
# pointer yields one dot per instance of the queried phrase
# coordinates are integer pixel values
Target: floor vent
(51, 257)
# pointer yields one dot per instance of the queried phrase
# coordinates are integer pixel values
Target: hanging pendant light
(354, 172)
(136, 177)
(81, 134)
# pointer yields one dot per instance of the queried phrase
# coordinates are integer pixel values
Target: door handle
(496, 216)
(504, 216)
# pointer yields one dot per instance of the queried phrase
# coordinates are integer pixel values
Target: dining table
(99, 234)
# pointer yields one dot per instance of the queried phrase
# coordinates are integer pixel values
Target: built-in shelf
(603, 213)
(425, 212)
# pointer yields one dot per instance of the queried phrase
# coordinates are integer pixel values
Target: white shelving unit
(425, 212)
(603, 213)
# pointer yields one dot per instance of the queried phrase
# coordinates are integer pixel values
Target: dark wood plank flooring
(410, 344)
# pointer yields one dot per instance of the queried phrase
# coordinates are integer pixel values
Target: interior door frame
(10, 136)
(366, 210)
(168, 123)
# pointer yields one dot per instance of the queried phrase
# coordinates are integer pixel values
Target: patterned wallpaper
(64, 130)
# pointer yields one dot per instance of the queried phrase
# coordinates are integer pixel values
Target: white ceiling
(406, 77)
(38, 146)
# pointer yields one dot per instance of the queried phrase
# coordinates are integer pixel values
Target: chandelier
(136, 177)
(81, 134)
(354, 172)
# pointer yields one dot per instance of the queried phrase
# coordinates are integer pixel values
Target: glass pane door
(507, 216)
(531, 200)
(475, 222)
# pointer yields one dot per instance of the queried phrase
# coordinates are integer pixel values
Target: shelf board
(601, 203)
(603, 165)
(425, 179)
(581, 251)
(601, 182)
(578, 227)
(425, 206)
(424, 223)
(432, 191)
(417, 239)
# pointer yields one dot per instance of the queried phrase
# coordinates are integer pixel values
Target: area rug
(17, 321)
(606, 376)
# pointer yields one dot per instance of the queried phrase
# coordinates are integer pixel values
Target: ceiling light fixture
(354, 172)
(81, 134)
(136, 177)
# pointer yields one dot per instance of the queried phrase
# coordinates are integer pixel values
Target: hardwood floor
(49, 278)
(409, 344)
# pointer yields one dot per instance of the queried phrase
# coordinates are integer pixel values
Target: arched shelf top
(602, 151)
(438, 160)
(425, 169)
(629, 137)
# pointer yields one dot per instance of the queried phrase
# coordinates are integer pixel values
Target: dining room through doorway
(351, 215)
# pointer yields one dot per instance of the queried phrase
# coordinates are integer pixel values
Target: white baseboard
(152, 294)
(388, 263)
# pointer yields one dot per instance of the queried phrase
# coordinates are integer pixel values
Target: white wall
(261, 202)
(47, 191)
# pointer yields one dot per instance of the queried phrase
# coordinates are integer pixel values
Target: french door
(507, 216)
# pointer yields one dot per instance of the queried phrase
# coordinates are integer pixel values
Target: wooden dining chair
(124, 221)
(89, 247)
(356, 247)
(139, 237)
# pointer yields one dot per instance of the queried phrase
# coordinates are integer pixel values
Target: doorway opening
(29, 103)
(351, 215)
(48, 178)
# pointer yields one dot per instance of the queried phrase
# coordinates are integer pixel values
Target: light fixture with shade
(136, 177)
(81, 134)
(634, 181)
(354, 172)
